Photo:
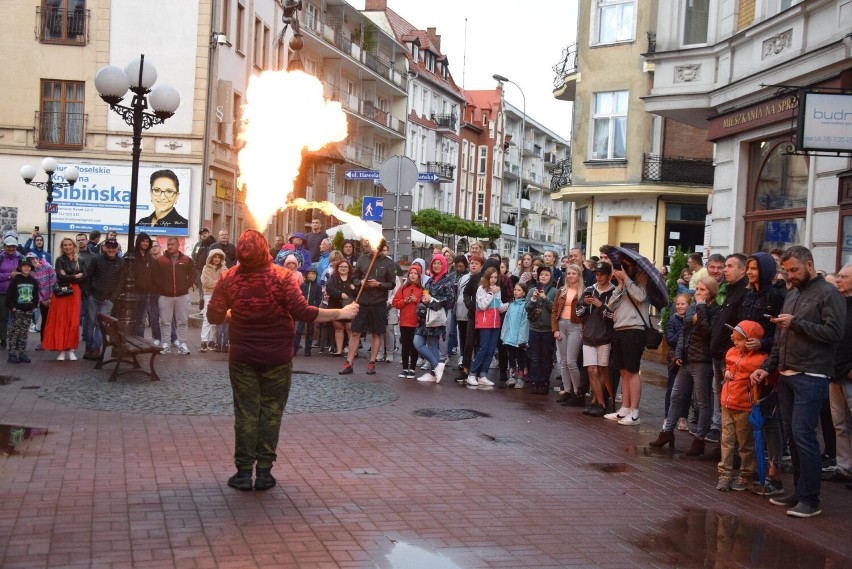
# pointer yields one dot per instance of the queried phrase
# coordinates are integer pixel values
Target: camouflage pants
(19, 330)
(260, 395)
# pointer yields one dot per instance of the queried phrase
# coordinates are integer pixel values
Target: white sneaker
(425, 365)
(471, 380)
(618, 415)
(167, 348)
(72, 355)
(182, 349)
(60, 357)
(389, 359)
(33, 328)
(427, 378)
(439, 372)
(485, 382)
(682, 425)
(156, 342)
(519, 384)
(630, 419)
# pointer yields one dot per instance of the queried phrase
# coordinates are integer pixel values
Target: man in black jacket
(106, 273)
(734, 287)
(808, 329)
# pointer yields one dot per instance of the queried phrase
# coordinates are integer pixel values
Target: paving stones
(208, 392)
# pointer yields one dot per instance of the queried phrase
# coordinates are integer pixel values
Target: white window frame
(607, 116)
(597, 20)
(711, 24)
(483, 160)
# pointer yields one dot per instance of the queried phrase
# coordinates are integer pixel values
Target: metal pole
(138, 108)
(49, 215)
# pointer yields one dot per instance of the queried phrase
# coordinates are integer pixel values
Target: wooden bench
(125, 349)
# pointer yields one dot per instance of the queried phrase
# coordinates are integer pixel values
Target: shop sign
(742, 120)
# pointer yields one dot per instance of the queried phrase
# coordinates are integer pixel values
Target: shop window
(775, 214)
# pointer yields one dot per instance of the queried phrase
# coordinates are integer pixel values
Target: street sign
(398, 174)
(427, 177)
(51, 207)
(406, 202)
(372, 208)
(361, 174)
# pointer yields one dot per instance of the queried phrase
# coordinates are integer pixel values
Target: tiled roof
(480, 100)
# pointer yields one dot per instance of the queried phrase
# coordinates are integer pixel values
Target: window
(258, 43)
(483, 160)
(61, 121)
(480, 206)
(265, 48)
(581, 227)
(609, 126)
(226, 19)
(696, 18)
(63, 21)
(484, 118)
(380, 150)
(238, 116)
(615, 20)
(241, 23)
(415, 52)
(778, 196)
(464, 155)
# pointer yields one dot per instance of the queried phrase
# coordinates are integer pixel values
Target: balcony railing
(566, 66)
(60, 130)
(677, 170)
(445, 170)
(510, 170)
(333, 35)
(56, 25)
(446, 122)
(561, 175)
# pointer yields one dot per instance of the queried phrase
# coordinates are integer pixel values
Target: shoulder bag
(653, 337)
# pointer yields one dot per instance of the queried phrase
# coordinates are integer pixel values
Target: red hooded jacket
(264, 299)
(408, 310)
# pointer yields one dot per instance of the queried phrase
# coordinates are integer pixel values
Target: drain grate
(616, 467)
(450, 414)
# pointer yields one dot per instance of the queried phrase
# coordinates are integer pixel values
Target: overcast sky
(519, 40)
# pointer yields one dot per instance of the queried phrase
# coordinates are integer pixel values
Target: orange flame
(285, 113)
(359, 225)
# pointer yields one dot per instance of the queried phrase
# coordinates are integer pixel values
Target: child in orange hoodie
(736, 404)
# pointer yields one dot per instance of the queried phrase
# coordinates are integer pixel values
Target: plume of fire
(359, 225)
(285, 112)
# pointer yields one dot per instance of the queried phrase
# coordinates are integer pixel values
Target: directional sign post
(399, 175)
(361, 174)
(427, 177)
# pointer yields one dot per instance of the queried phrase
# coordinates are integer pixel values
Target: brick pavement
(528, 484)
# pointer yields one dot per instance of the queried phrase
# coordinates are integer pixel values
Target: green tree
(678, 263)
(356, 207)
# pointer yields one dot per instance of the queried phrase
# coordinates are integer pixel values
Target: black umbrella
(658, 293)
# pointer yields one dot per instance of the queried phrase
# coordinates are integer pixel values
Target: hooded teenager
(438, 295)
(261, 301)
(405, 300)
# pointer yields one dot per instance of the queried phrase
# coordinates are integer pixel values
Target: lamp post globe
(111, 83)
(149, 74)
(28, 173)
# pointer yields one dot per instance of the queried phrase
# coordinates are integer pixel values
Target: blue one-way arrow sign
(361, 174)
(427, 177)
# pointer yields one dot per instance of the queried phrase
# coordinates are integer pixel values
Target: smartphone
(36, 228)
(616, 266)
(768, 316)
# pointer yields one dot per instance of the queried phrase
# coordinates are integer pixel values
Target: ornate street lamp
(502, 80)
(49, 165)
(112, 84)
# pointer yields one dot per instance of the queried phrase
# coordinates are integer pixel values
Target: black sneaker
(803, 510)
(829, 464)
(264, 479)
(13, 358)
(827, 476)
(712, 436)
(24, 358)
(241, 480)
(788, 500)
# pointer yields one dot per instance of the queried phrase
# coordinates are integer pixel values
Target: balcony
(567, 74)
(60, 130)
(532, 176)
(677, 170)
(508, 229)
(444, 170)
(360, 154)
(531, 149)
(446, 123)
(68, 27)
(371, 112)
(549, 212)
(510, 170)
(526, 206)
(334, 36)
(561, 175)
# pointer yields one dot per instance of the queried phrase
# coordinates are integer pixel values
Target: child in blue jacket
(515, 335)
(312, 291)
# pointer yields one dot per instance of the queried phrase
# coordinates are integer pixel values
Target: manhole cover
(450, 414)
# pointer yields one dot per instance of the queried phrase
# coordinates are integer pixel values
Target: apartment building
(434, 108)
(51, 108)
(359, 65)
(741, 71)
(635, 179)
(480, 163)
(532, 151)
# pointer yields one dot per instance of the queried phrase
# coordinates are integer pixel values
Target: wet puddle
(12, 437)
(702, 538)
(7, 379)
(405, 556)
